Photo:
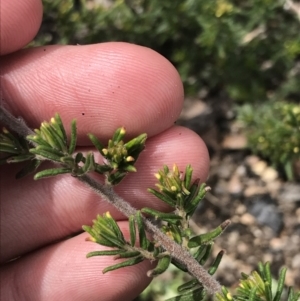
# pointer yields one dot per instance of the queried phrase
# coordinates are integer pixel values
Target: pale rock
(235, 186)
(247, 219)
(234, 141)
(290, 193)
(296, 262)
(254, 190)
(277, 244)
(269, 174)
(259, 167)
(251, 160)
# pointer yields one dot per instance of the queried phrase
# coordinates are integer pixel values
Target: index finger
(103, 86)
(20, 21)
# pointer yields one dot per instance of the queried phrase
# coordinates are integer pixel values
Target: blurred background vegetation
(246, 51)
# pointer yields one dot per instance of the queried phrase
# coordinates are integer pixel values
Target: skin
(103, 86)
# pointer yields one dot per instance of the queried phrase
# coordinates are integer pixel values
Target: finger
(20, 21)
(103, 86)
(51, 209)
(62, 272)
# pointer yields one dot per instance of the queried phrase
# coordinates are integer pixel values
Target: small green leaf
(38, 140)
(20, 158)
(51, 173)
(28, 168)
(141, 231)
(195, 295)
(188, 286)
(206, 255)
(129, 168)
(216, 263)
(105, 253)
(60, 144)
(73, 138)
(89, 164)
(280, 284)
(128, 254)
(125, 263)
(10, 149)
(57, 123)
(200, 252)
(207, 237)
(188, 176)
(161, 266)
(136, 143)
(194, 201)
(179, 265)
(168, 217)
(119, 135)
(114, 226)
(132, 230)
(168, 200)
(96, 143)
(176, 233)
(47, 153)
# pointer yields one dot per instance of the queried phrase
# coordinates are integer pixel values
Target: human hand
(103, 86)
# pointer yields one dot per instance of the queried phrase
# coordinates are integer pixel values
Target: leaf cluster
(183, 195)
(50, 142)
(273, 131)
(258, 287)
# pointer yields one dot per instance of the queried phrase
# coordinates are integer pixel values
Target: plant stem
(17, 125)
(107, 193)
(176, 251)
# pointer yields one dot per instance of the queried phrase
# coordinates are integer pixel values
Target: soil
(264, 209)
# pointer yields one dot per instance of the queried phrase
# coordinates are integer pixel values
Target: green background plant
(247, 49)
(273, 130)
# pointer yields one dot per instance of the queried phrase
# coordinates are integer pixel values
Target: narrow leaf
(280, 284)
(73, 138)
(51, 172)
(163, 197)
(10, 149)
(28, 168)
(194, 202)
(119, 135)
(59, 125)
(179, 265)
(141, 230)
(161, 267)
(195, 295)
(114, 226)
(188, 176)
(216, 263)
(20, 158)
(96, 143)
(125, 263)
(207, 237)
(132, 230)
(136, 143)
(168, 217)
(105, 253)
(206, 254)
(128, 254)
(187, 286)
(47, 153)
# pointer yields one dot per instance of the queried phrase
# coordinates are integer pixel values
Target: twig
(108, 194)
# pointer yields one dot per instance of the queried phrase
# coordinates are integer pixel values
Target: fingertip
(104, 86)
(20, 21)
